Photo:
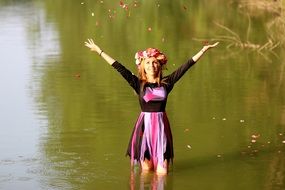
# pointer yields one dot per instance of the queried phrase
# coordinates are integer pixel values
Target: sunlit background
(66, 116)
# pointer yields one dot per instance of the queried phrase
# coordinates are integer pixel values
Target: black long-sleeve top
(167, 84)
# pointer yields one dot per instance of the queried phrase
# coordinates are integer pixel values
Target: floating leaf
(255, 136)
(77, 75)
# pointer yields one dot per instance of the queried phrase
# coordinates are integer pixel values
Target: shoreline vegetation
(274, 28)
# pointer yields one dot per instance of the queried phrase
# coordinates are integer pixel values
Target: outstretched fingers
(90, 41)
(211, 45)
(215, 44)
(90, 44)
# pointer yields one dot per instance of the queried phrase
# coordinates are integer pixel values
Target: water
(66, 115)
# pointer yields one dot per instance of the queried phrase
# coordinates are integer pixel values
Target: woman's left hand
(206, 47)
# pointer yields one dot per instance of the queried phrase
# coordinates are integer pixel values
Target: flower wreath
(150, 52)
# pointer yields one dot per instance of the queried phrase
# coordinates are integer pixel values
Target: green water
(66, 115)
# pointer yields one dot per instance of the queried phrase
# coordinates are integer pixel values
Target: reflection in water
(276, 172)
(147, 181)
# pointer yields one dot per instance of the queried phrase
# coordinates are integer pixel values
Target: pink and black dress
(151, 137)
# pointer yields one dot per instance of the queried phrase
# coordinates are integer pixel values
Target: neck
(151, 79)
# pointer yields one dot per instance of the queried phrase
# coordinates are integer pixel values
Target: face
(151, 66)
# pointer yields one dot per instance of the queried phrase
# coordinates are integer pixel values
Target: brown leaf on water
(77, 75)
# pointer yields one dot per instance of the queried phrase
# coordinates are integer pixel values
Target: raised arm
(93, 47)
(203, 50)
(128, 75)
(178, 73)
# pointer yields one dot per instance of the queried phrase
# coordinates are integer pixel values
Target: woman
(151, 141)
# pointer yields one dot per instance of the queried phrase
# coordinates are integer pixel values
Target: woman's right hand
(93, 47)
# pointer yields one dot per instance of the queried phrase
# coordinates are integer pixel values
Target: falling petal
(186, 130)
(280, 134)
(188, 146)
(268, 142)
(163, 40)
(149, 29)
(248, 146)
(205, 42)
(253, 141)
(219, 156)
(82, 3)
(213, 118)
(283, 142)
(242, 121)
(224, 119)
(92, 14)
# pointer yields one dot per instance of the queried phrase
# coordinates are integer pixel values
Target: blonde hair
(142, 75)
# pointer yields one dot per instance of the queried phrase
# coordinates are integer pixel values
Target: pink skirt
(151, 139)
